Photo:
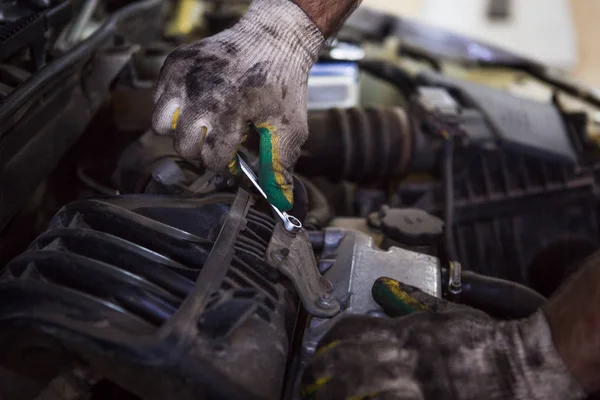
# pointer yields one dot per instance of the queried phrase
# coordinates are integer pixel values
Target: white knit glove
(255, 72)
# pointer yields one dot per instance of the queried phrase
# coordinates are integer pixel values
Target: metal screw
(326, 301)
(455, 284)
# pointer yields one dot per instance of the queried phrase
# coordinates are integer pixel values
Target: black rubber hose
(498, 297)
(390, 73)
(317, 239)
(93, 184)
(301, 200)
(363, 145)
(448, 183)
(319, 211)
(544, 74)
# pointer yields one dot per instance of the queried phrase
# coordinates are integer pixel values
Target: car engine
(129, 272)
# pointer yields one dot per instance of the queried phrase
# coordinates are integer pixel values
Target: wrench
(290, 223)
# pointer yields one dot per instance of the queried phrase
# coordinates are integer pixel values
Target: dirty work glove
(256, 71)
(441, 351)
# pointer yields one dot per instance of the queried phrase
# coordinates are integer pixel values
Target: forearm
(575, 322)
(328, 15)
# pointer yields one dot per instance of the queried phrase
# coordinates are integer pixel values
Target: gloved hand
(443, 351)
(256, 72)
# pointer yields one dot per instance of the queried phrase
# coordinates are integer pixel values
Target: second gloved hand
(255, 72)
(439, 351)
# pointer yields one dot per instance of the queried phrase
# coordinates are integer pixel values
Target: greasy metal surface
(357, 265)
(292, 254)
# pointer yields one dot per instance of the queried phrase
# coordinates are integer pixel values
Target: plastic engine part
(357, 144)
(113, 280)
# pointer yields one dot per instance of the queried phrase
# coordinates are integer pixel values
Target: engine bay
(130, 272)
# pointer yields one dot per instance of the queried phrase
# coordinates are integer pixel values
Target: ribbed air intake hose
(357, 144)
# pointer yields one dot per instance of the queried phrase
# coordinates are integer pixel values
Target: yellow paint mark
(314, 387)
(233, 167)
(203, 133)
(329, 346)
(268, 126)
(394, 287)
(175, 118)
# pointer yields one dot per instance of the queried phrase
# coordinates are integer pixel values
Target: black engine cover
(110, 280)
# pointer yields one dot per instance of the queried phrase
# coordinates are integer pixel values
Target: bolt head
(326, 301)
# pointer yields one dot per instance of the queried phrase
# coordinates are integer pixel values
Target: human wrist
(328, 16)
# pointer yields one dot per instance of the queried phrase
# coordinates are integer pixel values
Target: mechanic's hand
(255, 72)
(442, 351)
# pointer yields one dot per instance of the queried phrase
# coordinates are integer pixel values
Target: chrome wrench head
(290, 223)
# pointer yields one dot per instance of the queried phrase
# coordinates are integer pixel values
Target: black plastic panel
(510, 209)
(520, 124)
(111, 275)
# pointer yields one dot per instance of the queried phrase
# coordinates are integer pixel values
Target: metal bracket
(293, 256)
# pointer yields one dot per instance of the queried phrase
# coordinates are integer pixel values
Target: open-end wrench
(290, 223)
(293, 256)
